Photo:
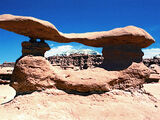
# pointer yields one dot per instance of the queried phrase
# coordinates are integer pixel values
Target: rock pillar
(34, 48)
(119, 57)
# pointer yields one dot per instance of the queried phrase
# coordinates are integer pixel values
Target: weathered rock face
(101, 80)
(32, 73)
(34, 48)
(35, 73)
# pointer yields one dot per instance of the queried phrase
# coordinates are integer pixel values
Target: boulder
(32, 73)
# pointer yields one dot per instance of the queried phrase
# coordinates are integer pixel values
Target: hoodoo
(121, 46)
(123, 67)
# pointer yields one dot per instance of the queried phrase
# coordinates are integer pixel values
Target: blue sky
(80, 16)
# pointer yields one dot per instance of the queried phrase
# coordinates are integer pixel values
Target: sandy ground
(58, 105)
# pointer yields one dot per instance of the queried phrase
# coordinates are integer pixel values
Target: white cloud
(149, 53)
(51, 45)
(58, 50)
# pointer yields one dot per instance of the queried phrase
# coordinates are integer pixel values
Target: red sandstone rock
(37, 28)
(32, 73)
(101, 80)
(36, 49)
(121, 46)
(35, 73)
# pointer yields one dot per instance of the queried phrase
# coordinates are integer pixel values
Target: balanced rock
(121, 43)
(32, 73)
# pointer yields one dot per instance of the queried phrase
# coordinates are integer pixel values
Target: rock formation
(91, 90)
(120, 57)
(149, 61)
(32, 73)
(7, 64)
(5, 74)
(121, 51)
(100, 80)
(34, 48)
(154, 65)
(155, 73)
(76, 60)
(35, 28)
(123, 42)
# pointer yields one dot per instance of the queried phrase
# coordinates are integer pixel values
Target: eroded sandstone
(33, 73)
(34, 48)
(36, 28)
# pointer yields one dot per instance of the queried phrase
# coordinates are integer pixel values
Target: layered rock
(5, 74)
(34, 48)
